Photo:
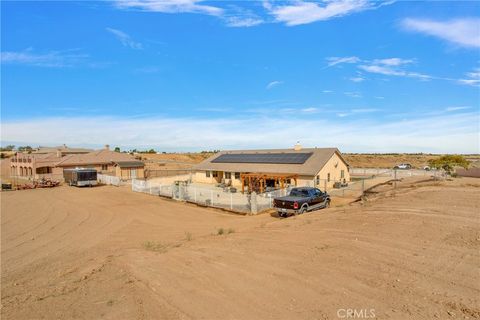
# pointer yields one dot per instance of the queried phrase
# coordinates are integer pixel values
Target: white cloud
(170, 6)
(397, 67)
(356, 112)
(392, 61)
(382, 70)
(474, 74)
(388, 66)
(473, 78)
(53, 59)
(365, 110)
(463, 31)
(357, 79)
(327, 91)
(301, 12)
(125, 39)
(392, 70)
(233, 15)
(237, 16)
(450, 109)
(469, 82)
(310, 110)
(332, 61)
(452, 132)
(237, 21)
(273, 84)
(353, 94)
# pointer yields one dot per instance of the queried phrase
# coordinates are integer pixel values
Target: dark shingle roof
(130, 164)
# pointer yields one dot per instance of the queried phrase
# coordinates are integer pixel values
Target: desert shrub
(154, 246)
(449, 162)
(223, 231)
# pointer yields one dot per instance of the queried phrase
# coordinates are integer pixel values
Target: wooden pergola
(257, 181)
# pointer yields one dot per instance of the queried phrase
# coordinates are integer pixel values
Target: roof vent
(297, 147)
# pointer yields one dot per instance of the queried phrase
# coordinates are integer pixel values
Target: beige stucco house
(259, 169)
(41, 162)
(51, 162)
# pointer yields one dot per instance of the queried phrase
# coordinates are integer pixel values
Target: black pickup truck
(301, 200)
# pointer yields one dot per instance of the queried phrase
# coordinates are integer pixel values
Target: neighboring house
(41, 162)
(129, 169)
(61, 150)
(259, 169)
(38, 165)
(105, 161)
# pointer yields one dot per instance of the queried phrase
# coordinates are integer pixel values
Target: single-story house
(105, 161)
(129, 169)
(259, 169)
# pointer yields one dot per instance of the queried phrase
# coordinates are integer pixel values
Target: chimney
(297, 146)
(107, 147)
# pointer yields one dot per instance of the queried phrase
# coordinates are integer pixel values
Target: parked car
(301, 200)
(403, 166)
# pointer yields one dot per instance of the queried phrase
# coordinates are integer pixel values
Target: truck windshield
(299, 193)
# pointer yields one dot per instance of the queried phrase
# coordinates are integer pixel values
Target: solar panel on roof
(279, 158)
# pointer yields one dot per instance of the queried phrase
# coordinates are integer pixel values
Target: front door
(133, 173)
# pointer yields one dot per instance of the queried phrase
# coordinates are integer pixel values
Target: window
(328, 177)
(104, 167)
(342, 174)
(299, 193)
(207, 173)
(214, 174)
(318, 180)
(237, 175)
(228, 175)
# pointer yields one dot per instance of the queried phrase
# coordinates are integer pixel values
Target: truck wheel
(327, 204)
(303, 210)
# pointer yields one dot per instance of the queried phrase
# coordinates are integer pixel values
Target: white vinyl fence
(110, 180)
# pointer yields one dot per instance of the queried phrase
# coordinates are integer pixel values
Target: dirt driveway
(109, 253)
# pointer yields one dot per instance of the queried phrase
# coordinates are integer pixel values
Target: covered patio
(258, 182)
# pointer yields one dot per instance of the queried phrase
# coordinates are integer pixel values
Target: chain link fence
(212, 196)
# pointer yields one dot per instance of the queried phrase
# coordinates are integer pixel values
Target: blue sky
(186, 75)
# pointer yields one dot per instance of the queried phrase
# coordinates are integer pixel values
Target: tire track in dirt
(411, 255)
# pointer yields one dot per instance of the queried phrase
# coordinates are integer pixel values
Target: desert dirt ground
(109, 253)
